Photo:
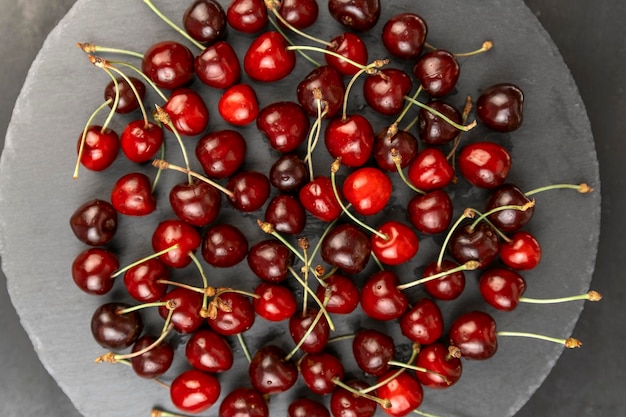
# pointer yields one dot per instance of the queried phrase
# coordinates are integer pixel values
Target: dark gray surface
(588, 374)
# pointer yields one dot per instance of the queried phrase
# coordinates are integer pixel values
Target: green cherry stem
(244, 347)
(470, 265)
(397, 160)
(394, 375)
(172, 24)
(142, 75)
(316, 320)
(370, 69)
(161, 164)
(91, 48)
(81, 147)
(484, 216)
(142, 260)
(162, 117)
(271, 6)
(463, 128)
(487, 45)
(467, 214)
(384, 403)
(290, 42)
(405, 110)
(418, 369)
(569, 343)
(581, 188)
(313, 295)
(467, 108)
(111, 357)
(588, 296)
(156, 412)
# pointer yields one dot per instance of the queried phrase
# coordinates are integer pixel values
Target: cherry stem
(325, 51)
(143, 76)
(341, 338)
(244, 347)
(370, 68)
(407, 107)
(155, 412)
(148, 348)
(135, 92)
(316, 320)
(419, 369)
(467, 108)
(581, 188)
(467, 214)
(173, 25)
(422, 413)
(290, 42)
(162, 117)
(116, 102)
(161, 164)
(569, 343)
(312, 293)
(589, 296)
(397, 160)
(142, 260)
(484, 216)
(314, 132)
(304, 245)
(334, 168)
(463, 128)
(81, 147)
(91, 48)
(159, 171)
(384, 403)
(487, 45)
(470, 265)
(393, 376)
(138, 307)
(271, 6)
(205, 282)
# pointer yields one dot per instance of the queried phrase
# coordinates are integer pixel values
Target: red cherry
(479, 244)
(430, 213)
(270, 373)
(318, 371)
(286, 214)
(218, 66)
(430, 170)
(156, 361)
(132, 195)
(299, 13)
(94, 222)
(344, 403)
(500, 107)
(196, 203)
(270, 260)
(399, 246)
(187, 111)
(432, 129)
(250, 190)
(501, 288)
(324, 83)
(372, 351)
(404, 35)
(285, 124)
(209, 352)
(140, 141)
(168, 64)
(350, 138)
(350, 46)
(221, 153)
(402, 142)
(449, 286)
(404, 393)
(437, 71)
(522, 251)
(186, 316)
(344, 294)
(384, 91)
(357, 15)
(268, 59)
(92, 269)
(100, 148)
(436, 358)
(114, 330)
(289, 173)
(127, 101)
(238, 105)
(205, 21)
(368, 190)
(141, 280)
(171, 232)
(484, 164)
(244, 402)
(318, 198)
(346, 247)
(275, 302)
(474, 333)
(224, 245)
(239, 317)
(194, 392)
(423, 323)
(380, 299)
(316, 340)
(248, 16)
(509, 220)
(305, 407)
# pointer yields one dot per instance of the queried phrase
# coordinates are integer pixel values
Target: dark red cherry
(305, 407)
(171, 232)
(351, 139)
(274, 302)
(140, 141)
(127, 101)
(432, 129)
(299, 13)
(270, 373)
(430, 170)
(368, 190)
(270, 260)
(484, 164)
(248, 16)
(403, 391)
(430, 213)
(318, 371)
(349, 46)
(224, 245)
(402, 142)
(141, 280)
(186, 316)
(318, 198)
(404, 35)
(324, 81)
(285, 124)
(346, 404)
(115, 330)
(286, 214)
(437, 71)
(168, 64)
(346, 247)
(380, 297)
(357, 15)
(244, 402)
(474, 333)
(237, 318)
(423, 323)
(501, 288)
(500, 107)
(218, 66)
(205, 21)
(187, 111)
(92, 269)
(268, 59)
(436, 359)
(479, 243)
(449, 286)
(238, 105)
(194, 392)
(384, 91)
(522, 251)
(372, 351)
(251, 190)
(399, 245)
(100, 148)
(288, 173)
(156, 361)
(132, 195)
(221, 153)
(94, 222)
(509, 220)
(208, 351)
(196, 203)
(344, 294)
(317, 339)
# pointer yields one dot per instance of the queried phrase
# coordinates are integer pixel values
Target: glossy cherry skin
(449, 286)
(435, 358)
(275, 302)
(344, 294)
(239, 105)
(186, 316)
(399, 246)
(402, 142)
(284, 124)
(132, 195)
(208, 351)
(317, 339)
(367, 189)
(140, 141)
(372, 351)
(218, 66)
(286, 213)
(474, 333)
(346, 247)
(432, 129)
(196, 203)
(248, 16)
(187, 111)
(318, 198)
(194, 391)
(509, 220)
(422, 323)
(345, 404)
(357, 15)
(205, 21)
(351, 139)
(299, 13)
(501, 288)
(404, 35)
(171, 232)
(156, 361)
(267, 58)
(168, 64)
(384, 91)
(224, 245)
(221, 153)
(305, 407)
(94, 222)
(521, 252)
(380, 299)
(318, 371)
(141, 280)
(430, 213)
(127, 101)
(438, 72)
(270, 373)
(500, 107)
(348, 45)
(484, 164)
(113, 330)
(244, 402)
(251, 190)
(238, 319)
(479, 244)
(100, 148)
(430, 170)
(326, 81)
(270, 260)
(289, 173)
(92, 269)
(404, 392)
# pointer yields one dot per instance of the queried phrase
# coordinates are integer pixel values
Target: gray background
(590, 381)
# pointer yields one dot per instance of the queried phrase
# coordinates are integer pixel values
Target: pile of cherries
(321, 258)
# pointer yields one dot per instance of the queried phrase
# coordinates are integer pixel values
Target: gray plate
(38, 195)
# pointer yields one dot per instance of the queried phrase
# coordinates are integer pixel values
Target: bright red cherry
(100, 148)
(244, 402)
(218, 66)
(194, 391)
(399, 245)
(447, 287)
(344, 294)
(238, 105)
(305, 407)
(270, 373)
(92, 269)
(500, 107)
(318, 198)
(196, 203)
(275, 302)
(384, 91)
(474, 333)
(317, 339)
(171, 232)
(423, 323)
(372, 351)
(319, 370)
(268, 59)
(437, 72)
(436, 358)
(221, 153)
(522, 251)
(501, 288)
(239, 317)
(186, 316)
(141, 280)
(404, 392)
(348, 45)
(140, 141)
(404, 35)
(380, 297)
(250, 189)
(285, 124)
(367, 189)
(187, 111)
(350, 138)
(430, 213)
(208, 351)
(430, 170)
(248, 16)
(224, 245)
(484, 164)
(168, 64)
(132, 195)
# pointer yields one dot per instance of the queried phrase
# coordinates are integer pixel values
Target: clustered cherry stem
(91, 48)
(172, 24)
(437, 113)
(161, 164)
(470, 265)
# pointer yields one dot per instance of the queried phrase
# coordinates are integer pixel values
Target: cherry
(323, 84)
(248, 16)
(474, 333)
(207, 351)
(430, 170)
(402, 143)
(286, 214)
(430, 213)
(318, 198)
(299, 13)
(404, 35)
(224, 245)
(187, 111)
(368, 190)
(238, 105)
(350, 46)
(484, 164)
(194, 392)
(140, 141)
(238, 317)
(384, 91)
(171, 232)
(357, 15)
(398, 246)
(196, 203)
(350, 138)
(344, 294)
(437, 360)
(132, 195)
(317, 338)
(288, 173)
(500, 107)
(274, 302)
(168, 64)
(270, 373)
(437, 72)
(285, 124)
(205, 21)
(244, 402)
(156, 361)
(319, 370)
(221, 153)
(270, 260)
(141, 280)
(186, 316)
(346, 404)
(403, 392)
(268, 59)
(521, 251)
(94, 222)
(346, 247)
(423, 323)
(218, 66)
(92, 269)
(113, 329)
(372, 351)
(432, 129)
(501, 288)
(509, 220)
(127, 101)
(100, 148)
(449, 286)
(250, 190)
(380, 299)
(479, 243)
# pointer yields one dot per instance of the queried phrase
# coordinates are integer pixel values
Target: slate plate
(38, 196)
